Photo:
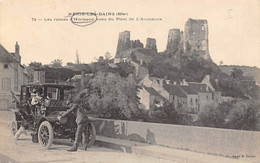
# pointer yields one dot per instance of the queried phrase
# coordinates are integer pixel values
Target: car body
(42, 119)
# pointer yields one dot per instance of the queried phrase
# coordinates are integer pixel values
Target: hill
(247, 71)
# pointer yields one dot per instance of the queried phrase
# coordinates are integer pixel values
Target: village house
(13, 75)
(213, 85)
(190, 96)
(150, 98)
(176, 95)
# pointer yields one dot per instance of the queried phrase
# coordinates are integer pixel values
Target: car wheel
(91, 134)
(14, 127)
(45, 135)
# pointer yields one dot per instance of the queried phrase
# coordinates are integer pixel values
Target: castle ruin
(196, 38)
(151, 44)
(174, 39)
(193, 41)
(124, 42)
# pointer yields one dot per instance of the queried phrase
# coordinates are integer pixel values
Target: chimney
(141, 61)
(161, 82)
(174, 83)
(184, 82)
(17, 48)
(17, 52)
(82, 78)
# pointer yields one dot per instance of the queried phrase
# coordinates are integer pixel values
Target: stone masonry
(174, 40)
(124, 42)
(196, 38)
(151, 44)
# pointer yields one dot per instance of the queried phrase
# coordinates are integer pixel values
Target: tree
(56, 63)
(211, 116)
(236, 73)
(35, 65)
(113, 96)
(244, 115)
(77, 58)
(166, 114)
(108, 55)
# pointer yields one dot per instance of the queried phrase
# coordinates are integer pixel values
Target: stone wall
(151, 44)
(196, 38)
(123, 41)
(174, 40)
(201, 139)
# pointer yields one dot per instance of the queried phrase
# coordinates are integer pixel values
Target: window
(202, 28)
(5, 65)
(6, 84)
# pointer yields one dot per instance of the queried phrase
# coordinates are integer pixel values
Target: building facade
(12, 76)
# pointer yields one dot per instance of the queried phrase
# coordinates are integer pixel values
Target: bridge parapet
(224, 142)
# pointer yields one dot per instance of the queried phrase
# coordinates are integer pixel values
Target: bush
(244, 116)
(211, 116)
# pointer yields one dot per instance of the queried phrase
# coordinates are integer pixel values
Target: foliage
(167, 114)
(125, 69)
(35, 65)
(236, 73)
(54, 75)
(211, 116)
(244, 116)
(108, 55)
(57, 63)
(113, 96)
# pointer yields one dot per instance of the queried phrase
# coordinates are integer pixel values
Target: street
(27, 152)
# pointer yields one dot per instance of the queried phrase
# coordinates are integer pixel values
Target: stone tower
(196, 38)
(174, 40)
(151, 44)
(123, 41)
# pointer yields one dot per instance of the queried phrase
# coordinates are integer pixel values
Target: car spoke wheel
(45, 135)
(14, 127)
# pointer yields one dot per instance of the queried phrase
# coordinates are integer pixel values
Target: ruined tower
(151, 44)
(174, 40)
(196, 38)
(123, 41)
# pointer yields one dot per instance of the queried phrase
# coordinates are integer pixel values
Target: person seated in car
(38, 98)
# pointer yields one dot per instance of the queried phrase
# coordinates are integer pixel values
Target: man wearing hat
(82, 122)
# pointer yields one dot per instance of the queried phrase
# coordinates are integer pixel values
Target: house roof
(174, 89)
(152, 91)
(5, 56)
(78, 77)
(215, 85)
(200, 88)
(188, 89)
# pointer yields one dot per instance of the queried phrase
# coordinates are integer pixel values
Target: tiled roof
(5, 56)
(215, 85)
(152, 91)
(188, 89)
(174, 89)
(200, 88)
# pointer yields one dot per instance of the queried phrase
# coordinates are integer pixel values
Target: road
(27, 152)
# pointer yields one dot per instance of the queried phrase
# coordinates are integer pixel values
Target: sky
(234, 27)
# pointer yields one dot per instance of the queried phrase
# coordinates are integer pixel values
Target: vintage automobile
(42, 119)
